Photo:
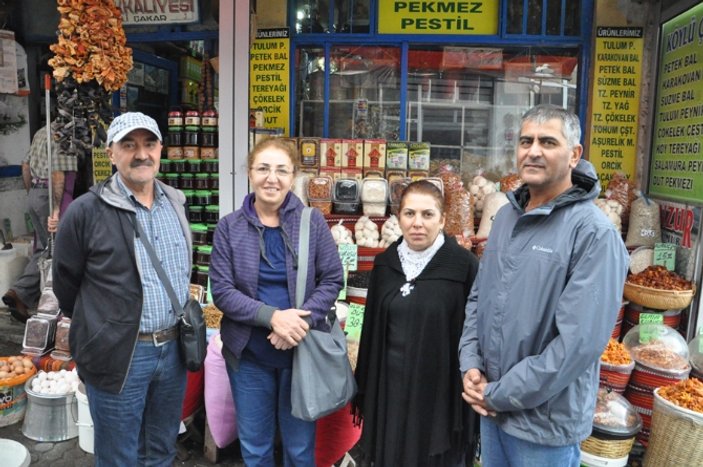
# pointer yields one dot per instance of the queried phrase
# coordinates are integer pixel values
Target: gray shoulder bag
(322, 381)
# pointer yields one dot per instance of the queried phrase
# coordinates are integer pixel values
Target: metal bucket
(49, 417)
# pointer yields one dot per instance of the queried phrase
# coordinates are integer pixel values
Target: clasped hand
(288, 328)
(474, 387)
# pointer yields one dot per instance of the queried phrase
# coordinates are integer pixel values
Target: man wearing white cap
(124, 334)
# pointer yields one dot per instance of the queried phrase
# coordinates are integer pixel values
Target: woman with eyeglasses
(253, 276)
(407, 370)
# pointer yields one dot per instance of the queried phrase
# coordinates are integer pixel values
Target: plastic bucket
(49, 417)
(591, 460)
(13, 454)
(85, 421)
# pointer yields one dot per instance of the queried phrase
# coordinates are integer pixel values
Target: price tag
(665, 255)
(648, 326)
(348, 255)
(343, 293)
(355, 319)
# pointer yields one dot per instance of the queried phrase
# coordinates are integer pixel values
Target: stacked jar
(191, 135)
(174, 136)
(209, 135)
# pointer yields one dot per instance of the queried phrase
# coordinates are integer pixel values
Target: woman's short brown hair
(284, 145)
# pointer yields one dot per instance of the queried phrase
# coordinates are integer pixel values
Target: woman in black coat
(408, 367)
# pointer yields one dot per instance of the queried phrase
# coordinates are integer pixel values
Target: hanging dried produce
(91, 44)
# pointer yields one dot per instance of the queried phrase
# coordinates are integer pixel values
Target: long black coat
(408, 366)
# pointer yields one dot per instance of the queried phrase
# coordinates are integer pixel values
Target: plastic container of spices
(186, 181)
(202, 181)
(193, 165)
(374, 196)
(210, 166)
(202, 255)
(195, 213)
(320, 194)
(202, 197)
(165, 165)
(178, 166)
(199, 233)
(172, 180)
(395, 192)
(212, 214)
(345, 196)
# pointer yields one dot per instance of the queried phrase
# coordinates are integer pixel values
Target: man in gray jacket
(543, 304)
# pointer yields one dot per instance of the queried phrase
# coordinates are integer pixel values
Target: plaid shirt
(163, 229)
(39, 163)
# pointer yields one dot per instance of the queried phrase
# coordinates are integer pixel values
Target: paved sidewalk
(68, 453)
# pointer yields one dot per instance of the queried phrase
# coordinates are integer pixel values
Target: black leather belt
(159, 338)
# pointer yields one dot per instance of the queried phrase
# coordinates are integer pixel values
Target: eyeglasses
(265, 171)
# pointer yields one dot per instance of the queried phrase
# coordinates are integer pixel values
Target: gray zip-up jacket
(541, 311)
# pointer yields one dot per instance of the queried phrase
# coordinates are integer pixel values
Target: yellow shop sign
(438, 17)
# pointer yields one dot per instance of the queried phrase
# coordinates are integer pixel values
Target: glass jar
(195, 213)
(202, 197)
(202, 255)
(191, 152)
(199, 233)
(214, 181)
(186, 181)
(175, 118)
(191, 136)
(189, 194)
(210, 166)
(192, 118)
(201, 275)
(165, 165)
(211, 233)
(215, 196)
(208, 137)
(178, 166)
(193, 165)
(209, 119)
(174, 136)
(202, 181)
(172, 180)
(212, 213)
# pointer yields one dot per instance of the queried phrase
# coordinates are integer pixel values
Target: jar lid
(208, 129)
(209, 113)
(202, 176)
(172, 175)
(198, 227)
(210, 160)
(658, 346)
(192, 129)
(175, 128)
(195, 161)
(615, 415)
(203, 192)
(204, 249)
(192, 113)
(188, 192)
(212, 208)
(211, 226)
(186, 175)
(214, 175)
(196, 207)
(205, 269)
(175, 113)
(178, 161)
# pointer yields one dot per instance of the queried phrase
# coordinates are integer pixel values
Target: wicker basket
(658, 298)
(610, 448)
(677, 435)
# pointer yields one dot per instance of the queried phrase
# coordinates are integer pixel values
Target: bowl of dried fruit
(657, 287)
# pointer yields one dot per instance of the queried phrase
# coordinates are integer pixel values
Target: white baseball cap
(122, 125)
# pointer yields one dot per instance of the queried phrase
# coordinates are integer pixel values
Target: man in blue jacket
(543, 304)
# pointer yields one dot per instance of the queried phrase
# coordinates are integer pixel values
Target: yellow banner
(438, 17)
(269, 77)
(617, 77)
(102, 167)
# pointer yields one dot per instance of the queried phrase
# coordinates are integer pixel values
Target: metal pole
(47, 98)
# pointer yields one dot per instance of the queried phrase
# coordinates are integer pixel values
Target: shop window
(345, 16)
(363, 92)
(544, 17)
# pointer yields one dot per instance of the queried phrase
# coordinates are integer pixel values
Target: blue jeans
(139, 426)
(499, 449)
(262, 399)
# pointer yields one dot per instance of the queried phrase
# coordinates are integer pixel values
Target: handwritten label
(649, 326)
(348, 255)
(354, 322)
(343, 293)
(665, 255)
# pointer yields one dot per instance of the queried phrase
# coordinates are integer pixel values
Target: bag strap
(303, 247)
(177, 307)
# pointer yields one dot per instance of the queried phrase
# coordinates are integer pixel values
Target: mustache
(147, 163)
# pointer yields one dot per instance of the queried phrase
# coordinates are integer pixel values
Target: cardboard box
(375, 154)
(330, 153)
(352, 173)
(397, 155)
(335, 173)
(352, 153)
(418, 156)
(373, 173)
(309, 152)
(256, 118)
